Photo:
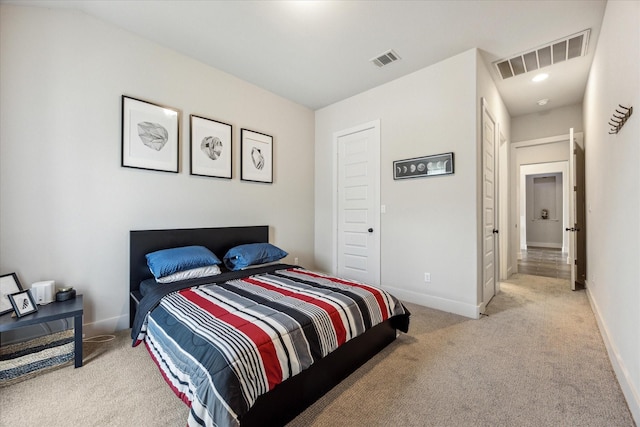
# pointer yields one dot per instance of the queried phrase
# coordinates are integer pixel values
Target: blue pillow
(169, 261)
(251, 254)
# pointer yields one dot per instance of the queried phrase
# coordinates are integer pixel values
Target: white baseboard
(631, 394)
(545, 245)
(106, 326)
(442, 304)
(103, 327)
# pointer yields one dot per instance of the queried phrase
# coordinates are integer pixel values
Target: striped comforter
(221, 346)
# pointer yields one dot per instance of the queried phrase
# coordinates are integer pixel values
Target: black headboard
(217, 240)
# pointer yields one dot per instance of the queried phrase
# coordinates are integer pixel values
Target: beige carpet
(537, 359)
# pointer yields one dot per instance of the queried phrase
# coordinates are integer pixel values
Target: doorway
(544, 252)
(536, 157)
(527, 210)
(544, 210)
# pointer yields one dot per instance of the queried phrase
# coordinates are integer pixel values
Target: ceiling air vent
(557, 51)
(386, 58)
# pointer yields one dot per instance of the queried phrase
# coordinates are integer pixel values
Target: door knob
(370, 230)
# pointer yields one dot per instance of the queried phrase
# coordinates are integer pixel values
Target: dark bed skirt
(290, 398)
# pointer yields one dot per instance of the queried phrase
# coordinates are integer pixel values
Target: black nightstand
(46, 313)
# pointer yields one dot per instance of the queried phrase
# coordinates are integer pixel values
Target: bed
(305, 374)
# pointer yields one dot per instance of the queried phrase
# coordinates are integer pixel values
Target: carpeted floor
(537, 359)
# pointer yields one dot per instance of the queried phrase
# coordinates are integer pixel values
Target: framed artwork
(210, 147)
(150, 135)
(23, 303)
(256, 156)
(439, 164)
(9, 284)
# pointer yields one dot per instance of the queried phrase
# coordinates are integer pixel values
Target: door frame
(374, 124)
(515, 196)
(505, 267)
(562, 167)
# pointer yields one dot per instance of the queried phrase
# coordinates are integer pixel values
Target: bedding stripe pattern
(221, 346)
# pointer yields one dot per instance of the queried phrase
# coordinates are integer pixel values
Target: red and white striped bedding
(221, 346)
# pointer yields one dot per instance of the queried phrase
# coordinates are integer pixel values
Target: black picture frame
(426, 166)
(9, 284)
(256, 152)
(211, 147)
(23, 303)
(150, 135)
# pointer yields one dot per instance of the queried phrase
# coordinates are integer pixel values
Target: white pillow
(266, 264)
(207, 270)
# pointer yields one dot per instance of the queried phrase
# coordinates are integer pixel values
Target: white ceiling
(317, 52)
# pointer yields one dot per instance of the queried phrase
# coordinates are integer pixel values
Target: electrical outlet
(295, 260)
(427, 277)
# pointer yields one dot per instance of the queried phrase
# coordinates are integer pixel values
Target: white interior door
(489, 257)
(358, 217)
(576, 230)
(572, 210)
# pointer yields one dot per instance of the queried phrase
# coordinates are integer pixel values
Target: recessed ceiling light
(540, 77)
(543, 102)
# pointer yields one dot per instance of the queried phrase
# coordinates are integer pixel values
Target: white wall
(66, 203)
(613, 193)
(547, 123)
(430, 224)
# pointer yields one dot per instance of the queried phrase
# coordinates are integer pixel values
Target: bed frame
(292, 396)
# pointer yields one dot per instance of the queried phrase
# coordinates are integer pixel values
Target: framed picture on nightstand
(23, 303)
(9, 284)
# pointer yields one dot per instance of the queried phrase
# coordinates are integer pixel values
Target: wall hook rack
(620, 118)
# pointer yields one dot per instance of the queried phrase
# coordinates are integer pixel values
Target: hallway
(547, 262)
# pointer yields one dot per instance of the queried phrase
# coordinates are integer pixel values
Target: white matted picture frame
(211, 147)
(150, 135)
(9, 284)
(256, 152)
(23, 303)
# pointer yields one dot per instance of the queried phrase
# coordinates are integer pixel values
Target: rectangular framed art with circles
(439, 164)
(256, 156)
(211, 151)
(150, 135)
